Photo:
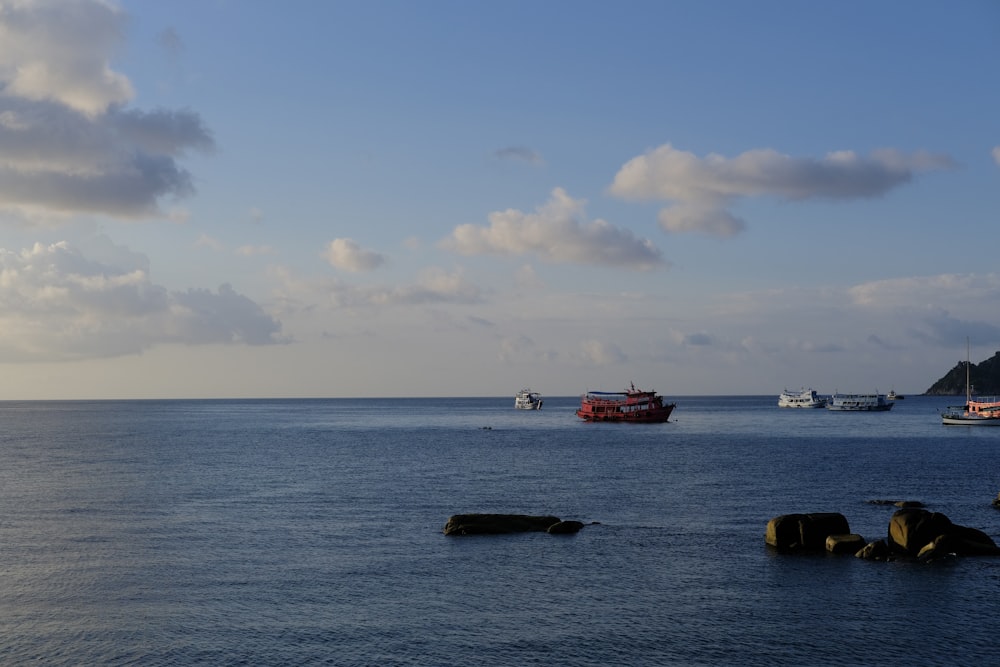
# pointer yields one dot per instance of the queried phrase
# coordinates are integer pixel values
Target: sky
(358, 198)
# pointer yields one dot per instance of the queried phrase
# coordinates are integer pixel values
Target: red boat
(631, 405)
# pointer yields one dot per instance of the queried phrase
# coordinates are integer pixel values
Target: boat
(981, 411)
(528, 400)
(859, 403)
(632, 405)
(806, 398)
(893, 396)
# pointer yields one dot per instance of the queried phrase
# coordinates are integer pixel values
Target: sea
(309, 532)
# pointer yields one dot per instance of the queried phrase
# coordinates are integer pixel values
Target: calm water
(309, 532)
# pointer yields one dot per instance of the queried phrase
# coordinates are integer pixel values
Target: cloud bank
(68, 144)
(557, 232)
(57, 305)
(702, 190)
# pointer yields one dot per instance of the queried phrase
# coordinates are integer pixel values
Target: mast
(968, 361)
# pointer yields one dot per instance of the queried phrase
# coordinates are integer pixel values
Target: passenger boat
(631, 405)
(982, 411)
(806, 398)
(859, 403)
(528, 400)
(893, 396)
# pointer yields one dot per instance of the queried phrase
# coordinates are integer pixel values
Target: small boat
(859, 403)
(893, 396)
(981, 411)
(631, 405)
(806, 398)
(528, 400)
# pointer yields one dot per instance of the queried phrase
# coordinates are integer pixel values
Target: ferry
(528, 400)
(806, 398)
(859, 403)
(632, 405)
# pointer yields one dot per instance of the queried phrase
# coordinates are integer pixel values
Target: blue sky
(227, 199)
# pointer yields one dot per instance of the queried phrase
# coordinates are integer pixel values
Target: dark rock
(565, 528)
(845, 544)
(931, 535)
(878, 550)
(808, 532)
(911, 529)
(497, 524)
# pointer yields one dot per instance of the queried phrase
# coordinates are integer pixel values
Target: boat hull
(961, 420)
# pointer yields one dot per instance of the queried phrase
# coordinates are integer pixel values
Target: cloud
(347, 255)
(68, 144)
(598, 353)
(996, 154)
(520, 153)
(556, 232)
(57, 304)
(701, 190)
(433, 286)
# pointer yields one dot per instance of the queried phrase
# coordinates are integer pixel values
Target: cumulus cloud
(68, 143)
(347, 255)
(556, 232)
(58, 304)
(702, 190)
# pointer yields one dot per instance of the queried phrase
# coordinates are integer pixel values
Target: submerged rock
(498, 524)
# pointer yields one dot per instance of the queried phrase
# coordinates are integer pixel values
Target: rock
(911, 529)
(497, 524)
(795, 532)
(845, 544)
(565, 528)
(996, 501)
(931, 535)
(877, 550)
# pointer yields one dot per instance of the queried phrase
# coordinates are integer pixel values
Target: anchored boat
(528, 400)
(631, 405)
(806, 398)
(859, 403)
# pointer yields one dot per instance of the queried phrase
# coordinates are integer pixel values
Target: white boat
(528, 400)
(859, 403)
(806, 398)
(893, 396)
(981, 411)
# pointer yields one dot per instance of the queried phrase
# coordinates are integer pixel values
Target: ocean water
(308, 532)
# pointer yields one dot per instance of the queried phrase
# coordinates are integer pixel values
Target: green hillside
(984, 377)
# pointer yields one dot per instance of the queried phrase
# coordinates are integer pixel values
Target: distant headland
(984, 378)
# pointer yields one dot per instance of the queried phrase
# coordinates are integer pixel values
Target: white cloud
(254, 250)
(703, 189)
(347, 255)
(57, 304)
(433, 286)
(556, 232)
(58, 50)
(599, 353)
(67, 142)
